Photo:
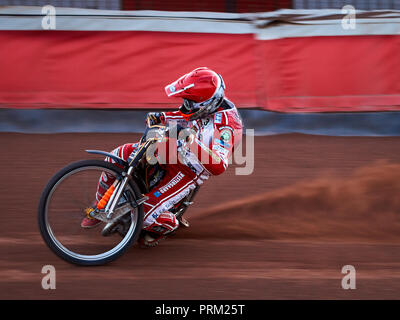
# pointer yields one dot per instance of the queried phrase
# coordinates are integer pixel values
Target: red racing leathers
(208, 153)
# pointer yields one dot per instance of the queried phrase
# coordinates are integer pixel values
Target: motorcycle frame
(128, 175)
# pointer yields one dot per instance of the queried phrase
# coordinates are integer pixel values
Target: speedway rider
(217, 127)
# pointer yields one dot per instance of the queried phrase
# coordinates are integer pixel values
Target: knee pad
(165, 223)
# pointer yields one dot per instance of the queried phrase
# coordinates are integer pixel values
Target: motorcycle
(69, 194)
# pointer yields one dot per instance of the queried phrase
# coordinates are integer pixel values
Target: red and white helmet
(202, 90)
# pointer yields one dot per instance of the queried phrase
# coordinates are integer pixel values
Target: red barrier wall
(99, 69)
(129, 69)
(317, 74)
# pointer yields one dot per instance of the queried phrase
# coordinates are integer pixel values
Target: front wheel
(62, 207)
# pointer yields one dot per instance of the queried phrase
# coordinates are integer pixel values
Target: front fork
(116, 196)
(111, 214)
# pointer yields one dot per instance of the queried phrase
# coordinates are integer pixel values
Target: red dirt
(312, 205)
(364, 206)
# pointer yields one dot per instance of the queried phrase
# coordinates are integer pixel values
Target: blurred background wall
(273, 55)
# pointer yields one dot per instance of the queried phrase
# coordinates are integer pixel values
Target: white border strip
(334, 29)
(265, 26)
(30, 18)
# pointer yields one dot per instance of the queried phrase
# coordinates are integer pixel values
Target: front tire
(50, 195)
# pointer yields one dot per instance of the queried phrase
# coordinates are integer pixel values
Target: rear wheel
(63, 205)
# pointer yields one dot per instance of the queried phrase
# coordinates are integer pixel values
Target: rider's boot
(89, 222)
(163, 226)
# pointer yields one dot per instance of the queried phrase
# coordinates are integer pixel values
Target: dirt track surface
(312, 205)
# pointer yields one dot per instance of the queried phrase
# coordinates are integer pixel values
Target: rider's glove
(154, 118)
